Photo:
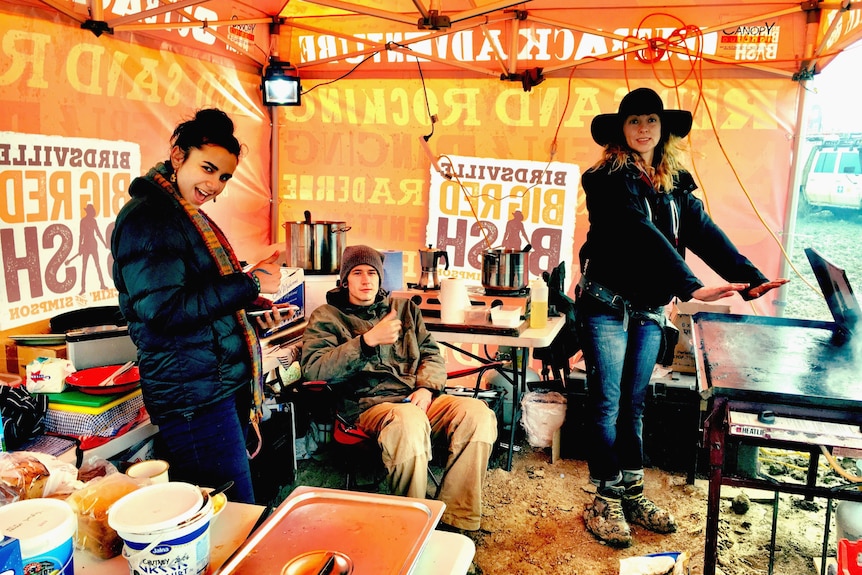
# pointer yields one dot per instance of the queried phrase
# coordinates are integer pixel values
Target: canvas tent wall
(100, 72)
(82, 116)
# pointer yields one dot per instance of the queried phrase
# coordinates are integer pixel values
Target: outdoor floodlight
(281, 84)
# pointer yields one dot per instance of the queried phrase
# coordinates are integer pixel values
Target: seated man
(389, 375)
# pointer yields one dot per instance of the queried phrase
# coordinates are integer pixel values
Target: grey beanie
(356, 255)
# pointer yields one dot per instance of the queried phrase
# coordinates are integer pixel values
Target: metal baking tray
(381, 534)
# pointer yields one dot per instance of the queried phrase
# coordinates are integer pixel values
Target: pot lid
(155, 507)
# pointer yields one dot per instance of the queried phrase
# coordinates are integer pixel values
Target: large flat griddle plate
(794, 361)
(381, 534)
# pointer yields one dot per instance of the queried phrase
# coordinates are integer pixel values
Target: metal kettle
(429, 259)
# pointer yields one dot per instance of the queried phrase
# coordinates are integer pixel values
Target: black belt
(617, 302)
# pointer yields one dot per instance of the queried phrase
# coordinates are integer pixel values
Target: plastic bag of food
(91, 504)
(62, 475)
(22, 476)
(28, 475)
(47, 374)
(95, 467)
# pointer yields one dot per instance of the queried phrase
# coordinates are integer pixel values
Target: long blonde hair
(667, 161)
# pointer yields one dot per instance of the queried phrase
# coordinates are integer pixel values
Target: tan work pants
(404, 433)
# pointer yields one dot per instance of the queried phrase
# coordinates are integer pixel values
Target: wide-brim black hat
(608, 128)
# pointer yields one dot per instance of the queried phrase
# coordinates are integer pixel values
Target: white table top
(530, 337)
(445, 553)
(229, 530)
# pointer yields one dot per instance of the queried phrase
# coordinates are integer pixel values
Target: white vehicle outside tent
(832, 175)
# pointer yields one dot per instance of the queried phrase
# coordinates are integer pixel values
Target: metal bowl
(320, 562)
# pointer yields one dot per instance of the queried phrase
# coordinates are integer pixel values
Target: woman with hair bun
(183, 292)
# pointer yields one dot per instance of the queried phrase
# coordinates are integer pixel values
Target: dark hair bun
(216, 120)
(209, 126)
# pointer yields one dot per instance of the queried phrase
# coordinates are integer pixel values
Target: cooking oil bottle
(538, 304)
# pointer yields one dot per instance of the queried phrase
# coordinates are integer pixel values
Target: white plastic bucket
(165, 526)
(45, 529)
(848, 521)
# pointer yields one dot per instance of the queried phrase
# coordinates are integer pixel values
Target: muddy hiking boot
(641, 511)
(605, 520)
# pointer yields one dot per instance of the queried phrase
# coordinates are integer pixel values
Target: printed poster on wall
(60, 198)
(476, 204)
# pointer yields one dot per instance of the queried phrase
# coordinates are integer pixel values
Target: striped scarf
(228, 263)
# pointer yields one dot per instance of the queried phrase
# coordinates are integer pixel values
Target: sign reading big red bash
(59, 200)
(477, 204)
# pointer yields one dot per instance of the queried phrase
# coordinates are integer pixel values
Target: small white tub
(45, 529)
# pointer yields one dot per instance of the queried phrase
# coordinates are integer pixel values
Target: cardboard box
(316, 287)
(680, 315)
(10, 556)
(22, 355)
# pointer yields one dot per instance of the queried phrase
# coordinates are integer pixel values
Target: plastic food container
(45, 528)
(476, 315)
(506, 316)
(164, 524)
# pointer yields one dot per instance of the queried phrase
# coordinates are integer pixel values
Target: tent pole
(792, 204)
(273, 177)
(787, 239)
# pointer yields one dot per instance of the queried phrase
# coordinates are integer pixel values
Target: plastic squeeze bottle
(538, 304)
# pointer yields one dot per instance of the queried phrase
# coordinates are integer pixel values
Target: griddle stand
(732, 378)
(716, 433)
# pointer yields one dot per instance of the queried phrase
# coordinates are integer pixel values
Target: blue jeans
(207, 447)
(619, 365)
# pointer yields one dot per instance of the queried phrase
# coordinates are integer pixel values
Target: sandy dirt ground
(533, 518)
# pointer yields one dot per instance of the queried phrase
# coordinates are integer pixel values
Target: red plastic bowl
(88, 380)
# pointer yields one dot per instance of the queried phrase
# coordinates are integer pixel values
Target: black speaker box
(275, 465)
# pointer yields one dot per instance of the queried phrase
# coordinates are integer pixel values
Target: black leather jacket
(638, 237)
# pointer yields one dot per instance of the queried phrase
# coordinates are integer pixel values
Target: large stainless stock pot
(315, 246)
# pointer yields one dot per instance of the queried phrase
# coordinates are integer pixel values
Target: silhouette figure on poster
(515, 231)
(88, 248)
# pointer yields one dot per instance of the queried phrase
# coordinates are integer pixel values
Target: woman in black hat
(643, 216)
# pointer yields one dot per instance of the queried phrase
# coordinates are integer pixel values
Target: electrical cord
(837, 468)
(661, 48)
(657, 50)
(346, 74)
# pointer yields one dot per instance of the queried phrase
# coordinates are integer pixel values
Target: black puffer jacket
(181, 311)
(637, 239)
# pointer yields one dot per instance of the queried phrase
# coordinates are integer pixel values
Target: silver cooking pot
(315, 246)
(505, 270)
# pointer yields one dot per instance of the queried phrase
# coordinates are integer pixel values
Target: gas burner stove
(428, 299)
(524, 291)
(411, 286)
(477, 290)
